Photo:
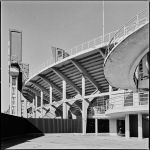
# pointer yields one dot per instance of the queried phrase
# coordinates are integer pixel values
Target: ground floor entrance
(102, 126)
(121, 127)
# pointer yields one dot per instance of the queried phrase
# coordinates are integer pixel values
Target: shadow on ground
(18, 140)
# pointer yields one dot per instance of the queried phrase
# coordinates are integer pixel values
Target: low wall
(47, 125)
(13, 126)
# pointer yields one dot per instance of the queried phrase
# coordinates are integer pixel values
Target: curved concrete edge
(128, 110)
(65, 60)
(121, 63)
(133, 68)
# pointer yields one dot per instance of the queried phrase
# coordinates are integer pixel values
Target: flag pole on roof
(103, 20)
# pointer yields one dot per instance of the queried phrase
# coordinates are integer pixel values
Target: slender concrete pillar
(109, 100)
(96, 126)
(41, 104)
(35, 106)
(50, 94)
(25, 108)
(65, 113)
(84, 107)
(10, 100)
(113, 127)
(127, 126)
(16, 111)
(140, 131)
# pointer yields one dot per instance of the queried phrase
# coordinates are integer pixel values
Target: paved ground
(78, 141)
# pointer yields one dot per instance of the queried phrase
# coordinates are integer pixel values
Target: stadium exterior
(104, 82)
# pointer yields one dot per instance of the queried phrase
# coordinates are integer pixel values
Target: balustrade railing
(135, 23)
(122, 101)
(96, 42)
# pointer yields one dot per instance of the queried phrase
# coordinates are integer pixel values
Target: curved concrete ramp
(121, 63)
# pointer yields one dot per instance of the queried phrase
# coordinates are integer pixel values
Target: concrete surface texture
(79, 141)
(121, 63)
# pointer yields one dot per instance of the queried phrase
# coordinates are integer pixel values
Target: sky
(63, 24)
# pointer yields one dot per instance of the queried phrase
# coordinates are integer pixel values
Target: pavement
(79, 141)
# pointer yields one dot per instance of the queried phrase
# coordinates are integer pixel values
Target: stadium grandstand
(103, 83)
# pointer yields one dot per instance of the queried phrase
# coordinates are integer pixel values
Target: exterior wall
(113, 127)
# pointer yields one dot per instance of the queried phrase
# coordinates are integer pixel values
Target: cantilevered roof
(88, 62)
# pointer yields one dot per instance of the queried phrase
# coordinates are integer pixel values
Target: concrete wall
(12, 126)
(113, 127)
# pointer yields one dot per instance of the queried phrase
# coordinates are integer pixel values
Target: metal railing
(110, 39)
(120, 101)
(135, 23)
(96, 42)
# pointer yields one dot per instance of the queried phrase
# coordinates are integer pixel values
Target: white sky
(61, 24)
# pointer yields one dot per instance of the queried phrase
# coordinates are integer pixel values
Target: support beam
(102, 54)
(37, 93)
(35, 106)
(85, 73)
(43, 89)
(84, 107)
(16, 99)
(10, 100)
(96, 126)
(41, 104)
(30, 94)
(50, 94)
(127, 126)
(140, 131)
(65, 113)
(63, 77)
(29, 97)
(52, 85)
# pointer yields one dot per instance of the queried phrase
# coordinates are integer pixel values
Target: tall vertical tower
(18, 73)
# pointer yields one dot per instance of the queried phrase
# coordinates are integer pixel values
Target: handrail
(142, 100)
(98, 41)
(135, 22)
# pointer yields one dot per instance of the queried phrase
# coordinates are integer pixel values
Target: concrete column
(35, 106)
(110, 96)
(113, 127)
(16, 110)
(96, 126)
(10, 97)
(50, 94)
(65, 113)
(140, 131)
(41, 104)
(84, 107)
(127, 126)
(25, 107)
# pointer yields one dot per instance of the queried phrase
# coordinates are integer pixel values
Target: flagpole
(103, 20)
